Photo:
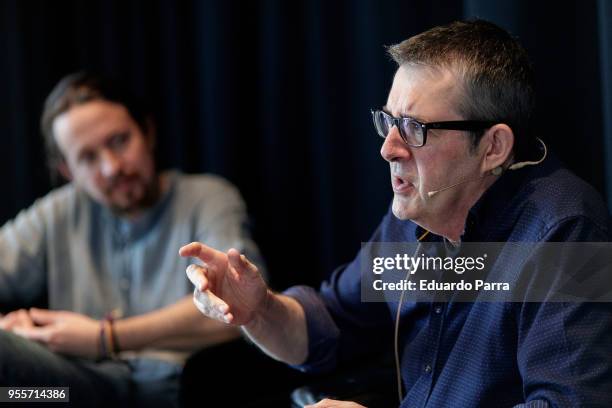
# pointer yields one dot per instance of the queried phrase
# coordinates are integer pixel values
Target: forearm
(179, 326)
(280, 329)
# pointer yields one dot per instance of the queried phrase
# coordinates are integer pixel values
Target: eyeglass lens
(410, 131)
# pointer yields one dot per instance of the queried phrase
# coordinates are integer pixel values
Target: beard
(142, 195)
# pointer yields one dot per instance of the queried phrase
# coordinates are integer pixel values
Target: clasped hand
(61, 331)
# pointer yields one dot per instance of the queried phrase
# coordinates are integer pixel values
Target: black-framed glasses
(414, 133)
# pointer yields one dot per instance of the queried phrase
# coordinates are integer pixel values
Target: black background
(275, 96)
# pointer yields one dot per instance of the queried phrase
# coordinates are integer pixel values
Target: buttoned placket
(125, 278)
(424, 384)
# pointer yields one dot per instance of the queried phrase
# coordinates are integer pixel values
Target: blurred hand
(16, 319)
(330, 403)
(63, 332)
(228, 287)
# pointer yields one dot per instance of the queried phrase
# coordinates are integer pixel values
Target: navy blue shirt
(482, 354)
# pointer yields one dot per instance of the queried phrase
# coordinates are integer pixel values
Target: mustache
(398, 171)
(115, 180)
(396, 168)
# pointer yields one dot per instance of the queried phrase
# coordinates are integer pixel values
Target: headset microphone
(496, 171)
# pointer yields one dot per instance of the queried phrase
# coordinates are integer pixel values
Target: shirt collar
(490, 209)
(486, 212)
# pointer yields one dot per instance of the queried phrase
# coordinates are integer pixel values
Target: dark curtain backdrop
(275, 96)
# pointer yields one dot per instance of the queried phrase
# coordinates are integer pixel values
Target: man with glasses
(465, 167)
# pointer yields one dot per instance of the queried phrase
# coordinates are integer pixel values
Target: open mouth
(121, 185)
(401, 185)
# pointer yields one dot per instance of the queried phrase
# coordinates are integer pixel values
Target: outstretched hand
(228, 287)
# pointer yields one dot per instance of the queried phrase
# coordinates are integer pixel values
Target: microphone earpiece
(516, 166)
(522, 164)
(497, 171)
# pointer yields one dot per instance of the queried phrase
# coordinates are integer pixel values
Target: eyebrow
(388, 112)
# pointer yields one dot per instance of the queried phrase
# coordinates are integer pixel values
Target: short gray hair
(496, 75)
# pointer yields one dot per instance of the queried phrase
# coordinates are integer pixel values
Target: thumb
(43, 316)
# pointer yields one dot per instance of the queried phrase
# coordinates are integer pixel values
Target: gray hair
(495, 73)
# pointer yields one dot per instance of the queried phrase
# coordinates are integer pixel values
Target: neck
(452, 225)
(452, 228)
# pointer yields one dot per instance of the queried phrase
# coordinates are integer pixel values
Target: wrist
(104, 341)
(114, 342)
(260, 314)
(108, 346)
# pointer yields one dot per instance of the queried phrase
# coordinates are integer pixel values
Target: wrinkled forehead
(421, 91)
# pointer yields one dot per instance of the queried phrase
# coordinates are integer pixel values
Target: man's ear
(498, 142)
(64, 170)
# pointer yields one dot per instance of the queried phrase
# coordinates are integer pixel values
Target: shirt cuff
(323, 334)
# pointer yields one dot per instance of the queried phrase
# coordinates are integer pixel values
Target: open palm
(229, 288)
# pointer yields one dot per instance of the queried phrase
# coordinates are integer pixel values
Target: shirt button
(438, 309)
(427, 369)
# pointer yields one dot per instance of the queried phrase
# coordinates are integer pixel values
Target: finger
(16, 318)
(241, 263)
(228, 318)
(201, 251)
(23, 319)
(40, 334)
(7, 321)
(211, 305)
(197, 275)
(4, 322)
(325, 403)
(43, 316)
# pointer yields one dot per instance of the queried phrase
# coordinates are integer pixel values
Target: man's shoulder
(553, 196)
(60, 199)
(204, 183)
(50, 210)
(203, 179)
(565, 195)
(205, 188)
(62, 193)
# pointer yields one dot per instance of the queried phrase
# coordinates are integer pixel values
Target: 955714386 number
(34, 394)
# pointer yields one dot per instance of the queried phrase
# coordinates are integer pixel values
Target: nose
(109, 164)
(394, 148)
